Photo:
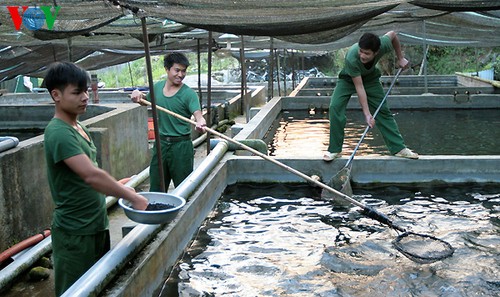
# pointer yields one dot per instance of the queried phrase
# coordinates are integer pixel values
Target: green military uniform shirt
(185, 102)
(354, 67)
(78, 207)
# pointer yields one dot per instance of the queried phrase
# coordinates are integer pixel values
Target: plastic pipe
(205, 168)
(257, 144)
(24, 262)
(31, 255)
(8, 142)
(101, 273)
(28, 242)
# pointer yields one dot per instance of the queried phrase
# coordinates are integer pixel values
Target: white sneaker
(407, 153)
(327, 157)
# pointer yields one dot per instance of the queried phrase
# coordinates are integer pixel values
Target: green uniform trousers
(384, 120)
(178, 162)
(73, 255)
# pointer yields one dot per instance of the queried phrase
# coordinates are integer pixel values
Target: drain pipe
(8, 142)
(205, 168)
(99, 275)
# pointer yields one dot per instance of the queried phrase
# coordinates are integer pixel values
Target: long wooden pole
(367, 210)
(266, 157)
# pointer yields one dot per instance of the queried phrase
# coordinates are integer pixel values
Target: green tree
(133, 74)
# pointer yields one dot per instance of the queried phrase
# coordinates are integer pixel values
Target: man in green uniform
(175, 134)
(361, 75)
(80, 235)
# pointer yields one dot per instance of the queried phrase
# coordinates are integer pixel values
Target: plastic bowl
(154, 216)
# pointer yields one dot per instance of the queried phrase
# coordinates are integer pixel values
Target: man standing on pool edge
(175, 134)
(80, 235)
(361, 75)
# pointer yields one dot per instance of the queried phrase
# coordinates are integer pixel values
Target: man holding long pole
(175, 135)
(360, 75)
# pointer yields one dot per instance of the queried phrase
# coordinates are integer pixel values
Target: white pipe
(8, 142)
(99, 275)
(24, 261)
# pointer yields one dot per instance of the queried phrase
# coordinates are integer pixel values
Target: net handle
(373, 214)
(351, 158)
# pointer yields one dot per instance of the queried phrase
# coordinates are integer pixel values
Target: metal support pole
(284, 70)
(243, 93)
(153, 103)
(277, 56)
(246, 99)
(270, 84)
(425, 58)
(209, 88)
(200, 92)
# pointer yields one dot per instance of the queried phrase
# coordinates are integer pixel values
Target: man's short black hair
(60, 74)
(172, 58)
(369, 41)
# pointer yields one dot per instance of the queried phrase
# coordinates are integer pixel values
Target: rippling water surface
(277, 240)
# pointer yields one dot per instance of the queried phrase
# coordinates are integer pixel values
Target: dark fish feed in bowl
(158, 206)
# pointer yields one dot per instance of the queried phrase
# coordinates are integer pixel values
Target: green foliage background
(441, 60)
(135, 73)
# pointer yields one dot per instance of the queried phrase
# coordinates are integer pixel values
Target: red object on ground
(151, 129)
(18, 247)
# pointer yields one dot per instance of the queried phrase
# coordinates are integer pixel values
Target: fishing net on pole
(341, 179)
(422, 248)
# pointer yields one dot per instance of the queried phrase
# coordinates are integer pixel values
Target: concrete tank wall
(120, 135)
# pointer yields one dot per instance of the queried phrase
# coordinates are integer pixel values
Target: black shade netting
(423, 248)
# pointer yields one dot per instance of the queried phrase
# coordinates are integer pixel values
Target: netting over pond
(102, 33)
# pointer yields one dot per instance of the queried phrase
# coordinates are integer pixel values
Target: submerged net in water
(423, 248)
(340, 182)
